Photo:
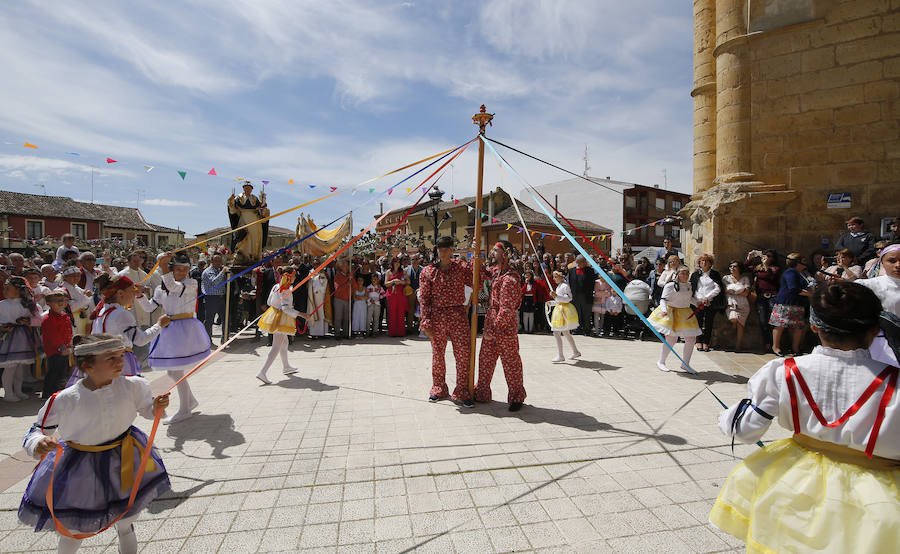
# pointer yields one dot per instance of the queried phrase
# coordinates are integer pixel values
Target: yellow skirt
(276, 321)
(564, 317)
(680, 321)
(786, 498)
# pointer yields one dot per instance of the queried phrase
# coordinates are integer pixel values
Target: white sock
(571, 340)
(558, 336)
(127, 538)
(670, 340)
(67, 545)
(273, 353)
(688, 351)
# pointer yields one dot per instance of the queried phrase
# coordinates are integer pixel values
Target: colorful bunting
(265, 182)
(73, 153)
(183, 174)
(212, 172)
(312, 186)
(494, 220)
(373, 190)
(455, 202)
(110, 161)
(290, 181)
(148, 168)
(29, 145)
(508, 226)
(333, 189)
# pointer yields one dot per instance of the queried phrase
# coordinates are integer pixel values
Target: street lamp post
(435, 214)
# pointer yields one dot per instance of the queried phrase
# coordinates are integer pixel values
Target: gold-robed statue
(322, 242)
(247, 244)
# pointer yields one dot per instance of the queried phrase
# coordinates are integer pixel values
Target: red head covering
(117, 283)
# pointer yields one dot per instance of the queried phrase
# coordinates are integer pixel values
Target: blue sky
(333, 93)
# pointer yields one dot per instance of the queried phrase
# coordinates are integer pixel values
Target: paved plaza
(608, 455)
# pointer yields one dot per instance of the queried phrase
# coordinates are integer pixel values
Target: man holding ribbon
(501, 327)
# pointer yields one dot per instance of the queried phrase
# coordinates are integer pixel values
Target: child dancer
(374, 294)
(79, 302)
(56, 334)
(91, 486)
(113, 317)
(673, 318)
(358, 316)
(184, 342)
(279, 321)
(833, 485)
(564, 318)
(20, 345)
(529, 290)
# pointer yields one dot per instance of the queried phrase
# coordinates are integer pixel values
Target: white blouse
(676, 298)
(836, 379)
(116, 320)
(707, 289)
(93, 417)
(279, 301)
(12, 309)
(563, 294)
(887, 289)
(181, 297)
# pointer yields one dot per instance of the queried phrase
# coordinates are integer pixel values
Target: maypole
(482, 119)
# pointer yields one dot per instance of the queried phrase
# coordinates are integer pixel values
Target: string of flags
(668, 220)
(552, 235)
(183, 173)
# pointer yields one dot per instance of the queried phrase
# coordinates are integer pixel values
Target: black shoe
(467, 403)
(433, 398)
(515, 406)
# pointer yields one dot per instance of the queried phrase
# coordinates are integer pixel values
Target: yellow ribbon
(128, 444)
(181, 316)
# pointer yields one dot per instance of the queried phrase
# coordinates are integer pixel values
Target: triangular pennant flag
(455, 202)
(520, 230)
(73, 153)
(508, 226)
(148, 168)
(494, 220)
(29, 145)
(290, 181)
(110, 161)
(312, 186)
(470, 208)
(353, 192)
(592, 238)
(212, 172)
(543, 235)
(265, 182)
(561, 238)
(371, 191)
(333, 189)
(390, 191)
(408, 191)
(182, 173)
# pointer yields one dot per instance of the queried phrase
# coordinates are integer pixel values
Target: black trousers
(705, 318)
(585, 315)
(57, 374)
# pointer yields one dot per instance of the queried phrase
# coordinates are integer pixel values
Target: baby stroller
(638, 292)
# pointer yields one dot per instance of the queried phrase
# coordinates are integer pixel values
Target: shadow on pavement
(575, 420)
(217, 430)
(295, 382)
(710, 377)
(596, 366)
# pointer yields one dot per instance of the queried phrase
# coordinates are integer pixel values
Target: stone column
(704, 95)
(732, 62)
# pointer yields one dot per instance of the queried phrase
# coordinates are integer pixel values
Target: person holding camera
(843, 267)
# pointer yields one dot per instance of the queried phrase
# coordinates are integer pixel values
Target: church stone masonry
(793, 100)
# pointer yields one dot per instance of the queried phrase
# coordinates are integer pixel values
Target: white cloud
(18, 165)
(167, 202)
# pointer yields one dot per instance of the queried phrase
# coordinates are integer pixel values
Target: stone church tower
(796, 123)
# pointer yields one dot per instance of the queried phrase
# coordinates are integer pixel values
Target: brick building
(541, 224)
(795, 103)
(32, 217)
(643, 205)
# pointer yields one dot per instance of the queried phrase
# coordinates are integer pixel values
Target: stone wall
(801, 110)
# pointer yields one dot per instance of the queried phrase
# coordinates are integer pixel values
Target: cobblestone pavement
(608, 455)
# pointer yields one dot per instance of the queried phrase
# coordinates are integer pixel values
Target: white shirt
(181, 297)
(40, 291)
(887, 289)
(676, 298)
(12, 309)
(706, 287)
(836, 379)
(116, 320)
(637, 290)
(93, 417)
(78, 300)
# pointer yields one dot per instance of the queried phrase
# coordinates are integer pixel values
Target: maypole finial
(482, 119)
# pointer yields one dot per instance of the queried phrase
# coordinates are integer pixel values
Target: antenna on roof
(587, 164)
(139, 191)
(44, 187)
(92, 184)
